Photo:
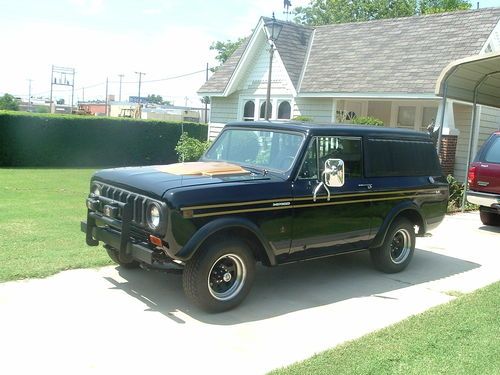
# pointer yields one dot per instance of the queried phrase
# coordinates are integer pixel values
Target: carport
(475, 80)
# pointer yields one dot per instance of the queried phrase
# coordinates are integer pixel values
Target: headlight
(95, 189)
(153, 215)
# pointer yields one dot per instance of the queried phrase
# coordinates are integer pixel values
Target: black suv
(272, 193)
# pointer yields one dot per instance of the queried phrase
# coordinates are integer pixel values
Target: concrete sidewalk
(115, 320)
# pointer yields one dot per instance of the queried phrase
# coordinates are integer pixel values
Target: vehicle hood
(156, 180)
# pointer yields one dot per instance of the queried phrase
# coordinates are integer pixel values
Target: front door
(322, 226)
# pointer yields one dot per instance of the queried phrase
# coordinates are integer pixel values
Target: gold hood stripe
(202, 169)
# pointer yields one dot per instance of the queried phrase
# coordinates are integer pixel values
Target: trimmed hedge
(40, 140)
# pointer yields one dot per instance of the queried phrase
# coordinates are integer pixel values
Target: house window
(284, 111)
(249, 111)
(263, 109)
(406, 117)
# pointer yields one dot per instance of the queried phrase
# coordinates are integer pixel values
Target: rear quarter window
(492, 154)
(398, 157)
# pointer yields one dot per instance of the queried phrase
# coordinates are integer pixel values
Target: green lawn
(461, 337)
(40, 213)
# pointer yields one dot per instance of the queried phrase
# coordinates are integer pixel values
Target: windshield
(264, 149)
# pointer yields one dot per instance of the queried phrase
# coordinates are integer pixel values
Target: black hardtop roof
(327, 129)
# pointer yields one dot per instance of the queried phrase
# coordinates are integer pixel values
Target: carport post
(469, 151)
(440, 131)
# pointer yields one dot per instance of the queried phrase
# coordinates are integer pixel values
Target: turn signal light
(155, 240)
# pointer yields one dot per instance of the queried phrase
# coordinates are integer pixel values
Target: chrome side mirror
(334, 175)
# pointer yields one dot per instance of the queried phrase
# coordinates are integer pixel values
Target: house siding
(320, 109)
(463, 115)
(490, 122)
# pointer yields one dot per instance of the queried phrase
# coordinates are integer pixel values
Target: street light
(273, 30)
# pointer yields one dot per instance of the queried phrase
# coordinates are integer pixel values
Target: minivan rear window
(493, 153)
(397, 157)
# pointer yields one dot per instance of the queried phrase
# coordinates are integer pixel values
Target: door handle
(368, 186)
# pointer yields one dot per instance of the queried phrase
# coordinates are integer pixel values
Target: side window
(309, 168)
(324, 148)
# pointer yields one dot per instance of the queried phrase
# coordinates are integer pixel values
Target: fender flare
(202, 234)
(392, 215)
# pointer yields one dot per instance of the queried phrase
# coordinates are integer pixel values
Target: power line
(129, 82)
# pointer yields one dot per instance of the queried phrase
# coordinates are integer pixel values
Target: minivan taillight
(472, 176)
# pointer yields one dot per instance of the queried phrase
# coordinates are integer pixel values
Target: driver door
(323, 227)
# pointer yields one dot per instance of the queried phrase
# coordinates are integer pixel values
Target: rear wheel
(220, 275)
(397, 250)
(115, 257)
(489, 218)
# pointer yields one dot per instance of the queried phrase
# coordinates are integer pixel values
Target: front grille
(138, 202)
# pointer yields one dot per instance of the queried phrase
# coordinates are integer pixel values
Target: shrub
(190, 149)
(456, 196)
(367, 120)
(44, 140)
(303, 118)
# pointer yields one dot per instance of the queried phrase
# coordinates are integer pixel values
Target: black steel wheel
(115, 257)
(397, 250)
(220, 275)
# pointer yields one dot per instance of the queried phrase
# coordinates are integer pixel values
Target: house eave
(201, 93)
(368, 95)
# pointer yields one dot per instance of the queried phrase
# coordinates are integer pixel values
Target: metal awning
(476, 80)
(460, 79)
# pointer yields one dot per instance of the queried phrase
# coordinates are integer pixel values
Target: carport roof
(464, 76)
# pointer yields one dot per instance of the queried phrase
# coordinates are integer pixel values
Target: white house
(385, 69)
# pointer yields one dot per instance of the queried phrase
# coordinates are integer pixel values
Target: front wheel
(220, 275)
(397, 250)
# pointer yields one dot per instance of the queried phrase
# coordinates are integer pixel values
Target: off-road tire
(113, 254)
(489, 218)
(220, 275)
(397, 250)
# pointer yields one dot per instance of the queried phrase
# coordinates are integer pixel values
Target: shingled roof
(401, 55)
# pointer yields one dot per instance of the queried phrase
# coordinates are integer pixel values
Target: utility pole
(107, 113)
(205, 98)
(120, 92)
(29, 95)
(140, 80)
(83, 94)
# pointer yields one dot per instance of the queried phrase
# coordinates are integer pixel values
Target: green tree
(8, 102)
(440, 6)
(225, 49)
(324, 12)
(157, 99)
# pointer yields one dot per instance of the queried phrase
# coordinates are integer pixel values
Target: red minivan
(484, 181)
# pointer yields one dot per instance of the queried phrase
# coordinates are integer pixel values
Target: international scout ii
(272, 193)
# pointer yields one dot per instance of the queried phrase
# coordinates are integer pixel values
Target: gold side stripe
(303, 205)
(237, 204)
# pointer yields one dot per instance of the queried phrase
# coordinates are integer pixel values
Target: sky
(104, 38)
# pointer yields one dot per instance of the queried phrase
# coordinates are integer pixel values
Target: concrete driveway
(115, 320)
